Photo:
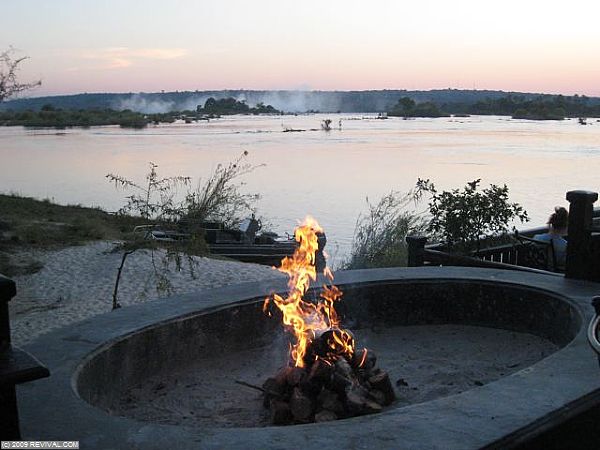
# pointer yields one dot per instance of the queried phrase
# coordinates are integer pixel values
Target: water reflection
(327, 174)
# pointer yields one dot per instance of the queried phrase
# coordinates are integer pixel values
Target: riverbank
(64, 263)
(75, 283)
(29, 226)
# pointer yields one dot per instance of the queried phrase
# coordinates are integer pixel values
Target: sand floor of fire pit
(424, 363)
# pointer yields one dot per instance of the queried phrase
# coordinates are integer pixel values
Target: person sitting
(557, 230)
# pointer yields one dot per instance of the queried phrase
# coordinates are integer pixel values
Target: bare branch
(9, 67)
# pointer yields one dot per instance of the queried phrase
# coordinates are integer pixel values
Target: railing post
(320, 262)
(7, 292)
(416, 250)
(580, 263)
(9, 426)
(16, 366)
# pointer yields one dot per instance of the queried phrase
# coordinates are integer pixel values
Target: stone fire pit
(477, 357)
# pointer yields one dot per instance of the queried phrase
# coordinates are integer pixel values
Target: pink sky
(130, 46)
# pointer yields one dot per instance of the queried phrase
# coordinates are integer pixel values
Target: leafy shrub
(463, 217)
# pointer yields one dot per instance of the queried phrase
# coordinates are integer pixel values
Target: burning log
(325, 416)
(272, 390)
(281, 413)
(355, 401)
(340, 385)
(295, 376)
(327, 378)
(301, 406)
(378, 396)
(329, 401)
(326, 391)
(320, 371)
(364, 359)
(381, 382)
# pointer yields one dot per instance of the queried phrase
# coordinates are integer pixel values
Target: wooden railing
(515, 256)
(583, 248)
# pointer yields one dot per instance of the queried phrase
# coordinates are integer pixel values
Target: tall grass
(380, 233)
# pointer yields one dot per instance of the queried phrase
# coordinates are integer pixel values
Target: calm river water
(326, 174)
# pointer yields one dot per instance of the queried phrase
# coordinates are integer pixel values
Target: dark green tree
(463, 216)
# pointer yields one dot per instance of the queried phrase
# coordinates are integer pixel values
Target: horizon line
(294, 90)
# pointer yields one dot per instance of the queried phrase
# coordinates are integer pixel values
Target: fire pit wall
(493, 305)
(171, 345)
(167, 346)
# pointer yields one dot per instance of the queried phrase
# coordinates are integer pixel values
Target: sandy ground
(424, 363)
(77, 282)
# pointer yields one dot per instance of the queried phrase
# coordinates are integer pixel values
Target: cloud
(159, 53)
(121, 57)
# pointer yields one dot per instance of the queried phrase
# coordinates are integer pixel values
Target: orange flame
(364, 358)
(306, 319)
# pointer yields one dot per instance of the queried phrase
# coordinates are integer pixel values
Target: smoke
(141, 103)
(299, 101)
(287, 101)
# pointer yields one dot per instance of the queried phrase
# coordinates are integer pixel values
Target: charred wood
(381, 382)
(301, 406)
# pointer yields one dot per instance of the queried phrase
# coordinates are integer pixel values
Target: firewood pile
(326, 389)
(327, 377)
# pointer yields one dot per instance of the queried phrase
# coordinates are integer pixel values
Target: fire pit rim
(360, 284)
(82, 341)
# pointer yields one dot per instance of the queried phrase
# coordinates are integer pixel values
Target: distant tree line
(58, 118)
(541, 107)
(448, 100)
(230, 106)
(518, 106)
(407, 107)
(50, 116)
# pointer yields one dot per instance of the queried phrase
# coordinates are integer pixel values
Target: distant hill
(288, 101)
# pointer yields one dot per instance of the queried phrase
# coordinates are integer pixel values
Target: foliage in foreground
(462, 217)
(219, 198)
(153, 200)
(380, 234)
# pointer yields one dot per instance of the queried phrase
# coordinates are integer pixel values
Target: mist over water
(288, 101)
(325, 174)
(150, 105)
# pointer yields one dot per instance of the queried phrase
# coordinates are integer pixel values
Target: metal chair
(537, 254)
(594, 328)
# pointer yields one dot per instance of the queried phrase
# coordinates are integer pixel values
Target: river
(326, 174)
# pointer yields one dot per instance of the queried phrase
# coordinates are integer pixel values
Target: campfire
(327, 377)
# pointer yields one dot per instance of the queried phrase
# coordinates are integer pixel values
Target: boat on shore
(246, 243)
